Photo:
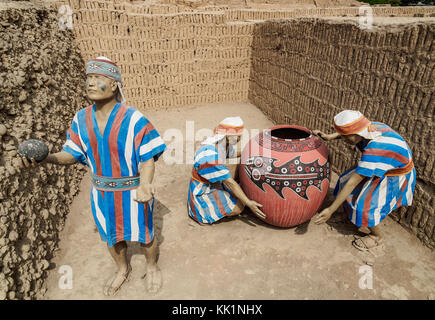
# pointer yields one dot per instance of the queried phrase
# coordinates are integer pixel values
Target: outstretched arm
(238, 192)
(60, 158)
(326, 136)
(326, 213)
(57, 158)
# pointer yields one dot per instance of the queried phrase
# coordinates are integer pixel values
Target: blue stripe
(81, 118)
(213, 169)
(140, 124)
(141, 221)
(364, 171)
(154, 153)
(150, 220)
(206, 159)
(109, 214)
(78, 156)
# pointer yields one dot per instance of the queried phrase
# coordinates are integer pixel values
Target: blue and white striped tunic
(380, 193)
(208, 199)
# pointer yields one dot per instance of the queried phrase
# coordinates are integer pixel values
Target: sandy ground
(241, 258)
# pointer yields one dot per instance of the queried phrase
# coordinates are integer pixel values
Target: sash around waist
(115, 184)
(401, 171)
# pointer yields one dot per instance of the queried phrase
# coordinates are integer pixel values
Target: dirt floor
(241, 258)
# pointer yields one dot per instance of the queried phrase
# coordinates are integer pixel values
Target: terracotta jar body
(286, 169)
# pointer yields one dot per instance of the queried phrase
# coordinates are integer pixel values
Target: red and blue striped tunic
(389, 183)
(128, 139)
(208, 199)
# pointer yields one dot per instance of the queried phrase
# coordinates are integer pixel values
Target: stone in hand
(33, 148)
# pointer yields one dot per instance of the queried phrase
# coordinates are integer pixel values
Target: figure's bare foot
(115, 283)
(153, 278)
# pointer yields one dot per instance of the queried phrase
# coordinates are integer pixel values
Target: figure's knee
(237, 209)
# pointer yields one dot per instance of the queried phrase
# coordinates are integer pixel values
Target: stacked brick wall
(306, 71)
(173, 55)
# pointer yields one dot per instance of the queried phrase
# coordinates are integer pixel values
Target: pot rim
(289, 126)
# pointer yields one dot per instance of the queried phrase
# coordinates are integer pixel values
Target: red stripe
(113, 142)
(367, 202)
(208, 165)
(145, 130)
(74, 138)
(119, 223)
(219, 202)
(116, 170)
(93, 141)
(386, 153)
(147, 231)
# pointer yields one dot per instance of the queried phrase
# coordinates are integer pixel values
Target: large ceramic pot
(286, 169)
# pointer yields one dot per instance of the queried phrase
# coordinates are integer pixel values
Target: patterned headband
(104, 68)
(354, 127)
(229, 130)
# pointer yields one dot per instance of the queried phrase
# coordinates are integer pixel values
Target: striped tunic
(380, 192)
(208, 199)
(128, 139)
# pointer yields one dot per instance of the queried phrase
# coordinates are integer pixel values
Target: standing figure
(383, 180)
(120, 146)
(213, 191)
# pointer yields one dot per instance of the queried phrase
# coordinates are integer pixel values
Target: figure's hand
(144, 193)
(323, 216)
(322, 135)
(255, 208)
(27, 163)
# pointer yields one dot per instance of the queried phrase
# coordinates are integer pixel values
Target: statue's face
(100, 87)
(352, 139)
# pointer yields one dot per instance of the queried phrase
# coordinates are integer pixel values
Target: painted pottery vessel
(286, 169)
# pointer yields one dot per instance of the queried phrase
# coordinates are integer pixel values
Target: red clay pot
(286, 169)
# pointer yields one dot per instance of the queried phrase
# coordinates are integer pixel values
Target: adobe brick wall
(174, 55)
(306, 71)
(41, 89)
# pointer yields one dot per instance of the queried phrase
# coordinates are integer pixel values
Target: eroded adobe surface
(42, 86)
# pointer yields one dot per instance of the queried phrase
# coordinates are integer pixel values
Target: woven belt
(401, 171)
(115, 184)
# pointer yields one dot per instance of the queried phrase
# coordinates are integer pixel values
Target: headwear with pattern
(231, 126)
(353, 122)
(105, 67)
